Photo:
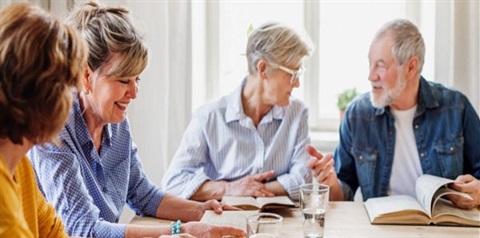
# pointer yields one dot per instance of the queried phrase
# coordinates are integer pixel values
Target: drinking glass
(264, 225)
(314, 204)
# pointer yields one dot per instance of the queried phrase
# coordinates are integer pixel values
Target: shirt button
(422, 155)
(416, 127)
(361, 157)
(452, 149)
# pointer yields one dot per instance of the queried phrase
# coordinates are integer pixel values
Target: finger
(313, 163)
(313, 152)
(185, 235)
(214, 205)
(218, 210)
(230, 208)
(461, 202)
(464, 204)
(323, 165)
(465, 178)
(267, 193)
(263, 193)
(262, 176)
(472, 186)
(323, 175)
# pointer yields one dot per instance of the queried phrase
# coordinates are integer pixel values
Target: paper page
(282, 200)
(381, 206)
(445, 191)
(425, 189)
(227, 218)
(445, 207)
(246, 203)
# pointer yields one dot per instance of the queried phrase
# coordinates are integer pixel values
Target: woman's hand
(183, 235)
(199, 229)
(218, 207)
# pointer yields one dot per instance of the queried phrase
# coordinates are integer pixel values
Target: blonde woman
(95, 169)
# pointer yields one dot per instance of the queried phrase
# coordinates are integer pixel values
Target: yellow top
(24, 212)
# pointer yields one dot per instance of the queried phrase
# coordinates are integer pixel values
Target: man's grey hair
(408, 41)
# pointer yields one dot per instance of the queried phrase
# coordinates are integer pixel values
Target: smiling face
(387, 77)
(109, 96)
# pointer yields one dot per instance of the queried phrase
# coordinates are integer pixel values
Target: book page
(425, 189)
(236, 219)
(445, 191)
(245, 203)
(277, 200)
(445, 212)
(393, 207)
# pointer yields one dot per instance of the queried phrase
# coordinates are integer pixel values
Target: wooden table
(349, 219)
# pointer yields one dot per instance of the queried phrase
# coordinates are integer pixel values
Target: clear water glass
(314, 205)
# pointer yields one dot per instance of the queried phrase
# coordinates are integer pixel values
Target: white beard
(388, 96)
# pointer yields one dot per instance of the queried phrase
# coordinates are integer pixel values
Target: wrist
(223, 188)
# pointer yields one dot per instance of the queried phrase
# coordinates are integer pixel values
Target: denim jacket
(447, 134)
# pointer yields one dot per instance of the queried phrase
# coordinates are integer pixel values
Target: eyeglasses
(295, 73)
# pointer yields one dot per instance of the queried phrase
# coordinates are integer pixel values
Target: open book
(259, 203)
(427, 208)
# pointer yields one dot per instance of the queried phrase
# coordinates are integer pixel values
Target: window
(345, 32)
(340, 30)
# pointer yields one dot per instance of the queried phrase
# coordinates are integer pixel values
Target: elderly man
(405, 127)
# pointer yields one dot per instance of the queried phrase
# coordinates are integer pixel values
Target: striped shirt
(221, 143)
(88, 188)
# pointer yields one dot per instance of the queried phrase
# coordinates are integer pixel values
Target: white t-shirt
(406, 162)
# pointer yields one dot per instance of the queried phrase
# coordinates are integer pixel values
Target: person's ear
(261, 69)
(412, 66)
(87, 80)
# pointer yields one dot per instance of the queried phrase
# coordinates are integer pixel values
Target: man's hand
(322, 167)
(251, 185)
(466, 184)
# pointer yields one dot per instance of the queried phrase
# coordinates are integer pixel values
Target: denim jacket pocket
(365, 162)
(450, 156)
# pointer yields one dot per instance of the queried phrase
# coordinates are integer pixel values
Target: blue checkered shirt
(88, 188)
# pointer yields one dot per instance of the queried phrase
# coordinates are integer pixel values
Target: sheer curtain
(457, 38)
